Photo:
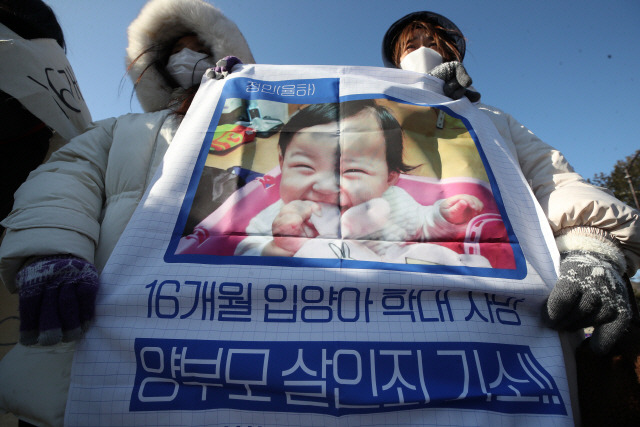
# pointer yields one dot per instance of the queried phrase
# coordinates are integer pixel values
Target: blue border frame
(236, 88)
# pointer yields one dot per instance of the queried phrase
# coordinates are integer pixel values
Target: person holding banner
(70, 213)
(40, 101)
(598, 236)
(166, 66)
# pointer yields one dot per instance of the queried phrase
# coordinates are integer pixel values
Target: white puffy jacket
(81, 200)
(580, 214)
(79, 203)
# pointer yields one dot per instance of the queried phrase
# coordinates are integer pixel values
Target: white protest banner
(299, 260)
(37, 73)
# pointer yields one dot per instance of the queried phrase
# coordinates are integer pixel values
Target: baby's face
(364, 173)
(310, 168)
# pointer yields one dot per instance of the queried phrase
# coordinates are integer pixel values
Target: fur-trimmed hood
(161, 22)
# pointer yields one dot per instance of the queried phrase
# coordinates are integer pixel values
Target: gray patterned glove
(456, 81)
(590, 291)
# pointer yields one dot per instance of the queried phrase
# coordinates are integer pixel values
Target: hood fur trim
(161, 22)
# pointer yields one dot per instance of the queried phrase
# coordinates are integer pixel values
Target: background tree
(625, 175)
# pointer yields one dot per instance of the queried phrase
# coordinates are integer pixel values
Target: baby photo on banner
(362, 182)
(327, 246)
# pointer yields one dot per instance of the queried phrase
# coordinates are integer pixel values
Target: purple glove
(57, 297)
(224, 66)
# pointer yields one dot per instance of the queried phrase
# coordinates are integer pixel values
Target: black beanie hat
(391, 36)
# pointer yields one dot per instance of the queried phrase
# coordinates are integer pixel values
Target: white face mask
(421, 60)
(187, 67)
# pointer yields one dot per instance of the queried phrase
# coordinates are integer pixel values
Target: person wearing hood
(598, 236)
(72, 210)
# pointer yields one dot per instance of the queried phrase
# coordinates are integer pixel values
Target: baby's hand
(292, 226)
(461, 208)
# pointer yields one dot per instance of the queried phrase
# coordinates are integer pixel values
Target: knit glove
(57, 296)
(590, 291)
(224, 66)
(456, 81)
